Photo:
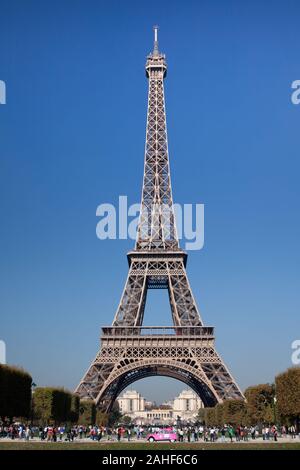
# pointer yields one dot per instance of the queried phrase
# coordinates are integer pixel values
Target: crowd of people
(226, 433)
(234, 433)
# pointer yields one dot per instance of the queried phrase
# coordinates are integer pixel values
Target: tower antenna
(155, 49)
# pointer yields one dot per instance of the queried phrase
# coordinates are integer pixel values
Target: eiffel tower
(130, 351)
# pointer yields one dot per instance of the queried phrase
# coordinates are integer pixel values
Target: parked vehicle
(162, 435)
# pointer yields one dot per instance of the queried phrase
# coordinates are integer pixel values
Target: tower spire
(156, 229)
(155, 48)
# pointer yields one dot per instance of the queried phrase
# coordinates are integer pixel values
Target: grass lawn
(146, 446)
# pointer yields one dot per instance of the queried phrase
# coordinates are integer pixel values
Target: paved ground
(87, 444)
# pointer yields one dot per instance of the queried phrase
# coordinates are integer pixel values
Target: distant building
(150, 404)
(167, 404)
(156, 416)
(131, 402)
(184, 407)
(187, 405)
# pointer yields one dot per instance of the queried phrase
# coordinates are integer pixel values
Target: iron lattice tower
(185, 350)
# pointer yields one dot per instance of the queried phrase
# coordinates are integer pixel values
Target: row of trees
(45, 405)
(57, 406)
(265, 403)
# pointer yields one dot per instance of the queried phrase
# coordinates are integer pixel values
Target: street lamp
(33, 385)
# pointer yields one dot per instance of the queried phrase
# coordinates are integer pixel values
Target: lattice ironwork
(186, 350)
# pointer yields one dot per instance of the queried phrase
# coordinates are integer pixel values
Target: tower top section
(156, 66)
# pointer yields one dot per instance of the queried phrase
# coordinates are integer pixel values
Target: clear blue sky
(72, 136)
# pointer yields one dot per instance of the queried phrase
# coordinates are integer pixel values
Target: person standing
(27, 433)
(231, 433)
(61, 431)
(49, 433)
(180, 434)
(293, 431)
(275, 433)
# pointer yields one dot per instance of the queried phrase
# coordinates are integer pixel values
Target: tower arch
(135, 371)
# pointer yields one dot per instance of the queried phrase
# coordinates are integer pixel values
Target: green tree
(219, 414)
(200, 416)
(114, 415)
(126, 420)
(288, 395)
(87, 412)
(260, 402)
(210, 417)
(234, 412)
(101, 418)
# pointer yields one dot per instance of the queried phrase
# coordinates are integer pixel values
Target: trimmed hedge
(55, 405)
(15, 392)
(74, 410)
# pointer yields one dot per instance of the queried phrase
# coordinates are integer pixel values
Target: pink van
(162, 435)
